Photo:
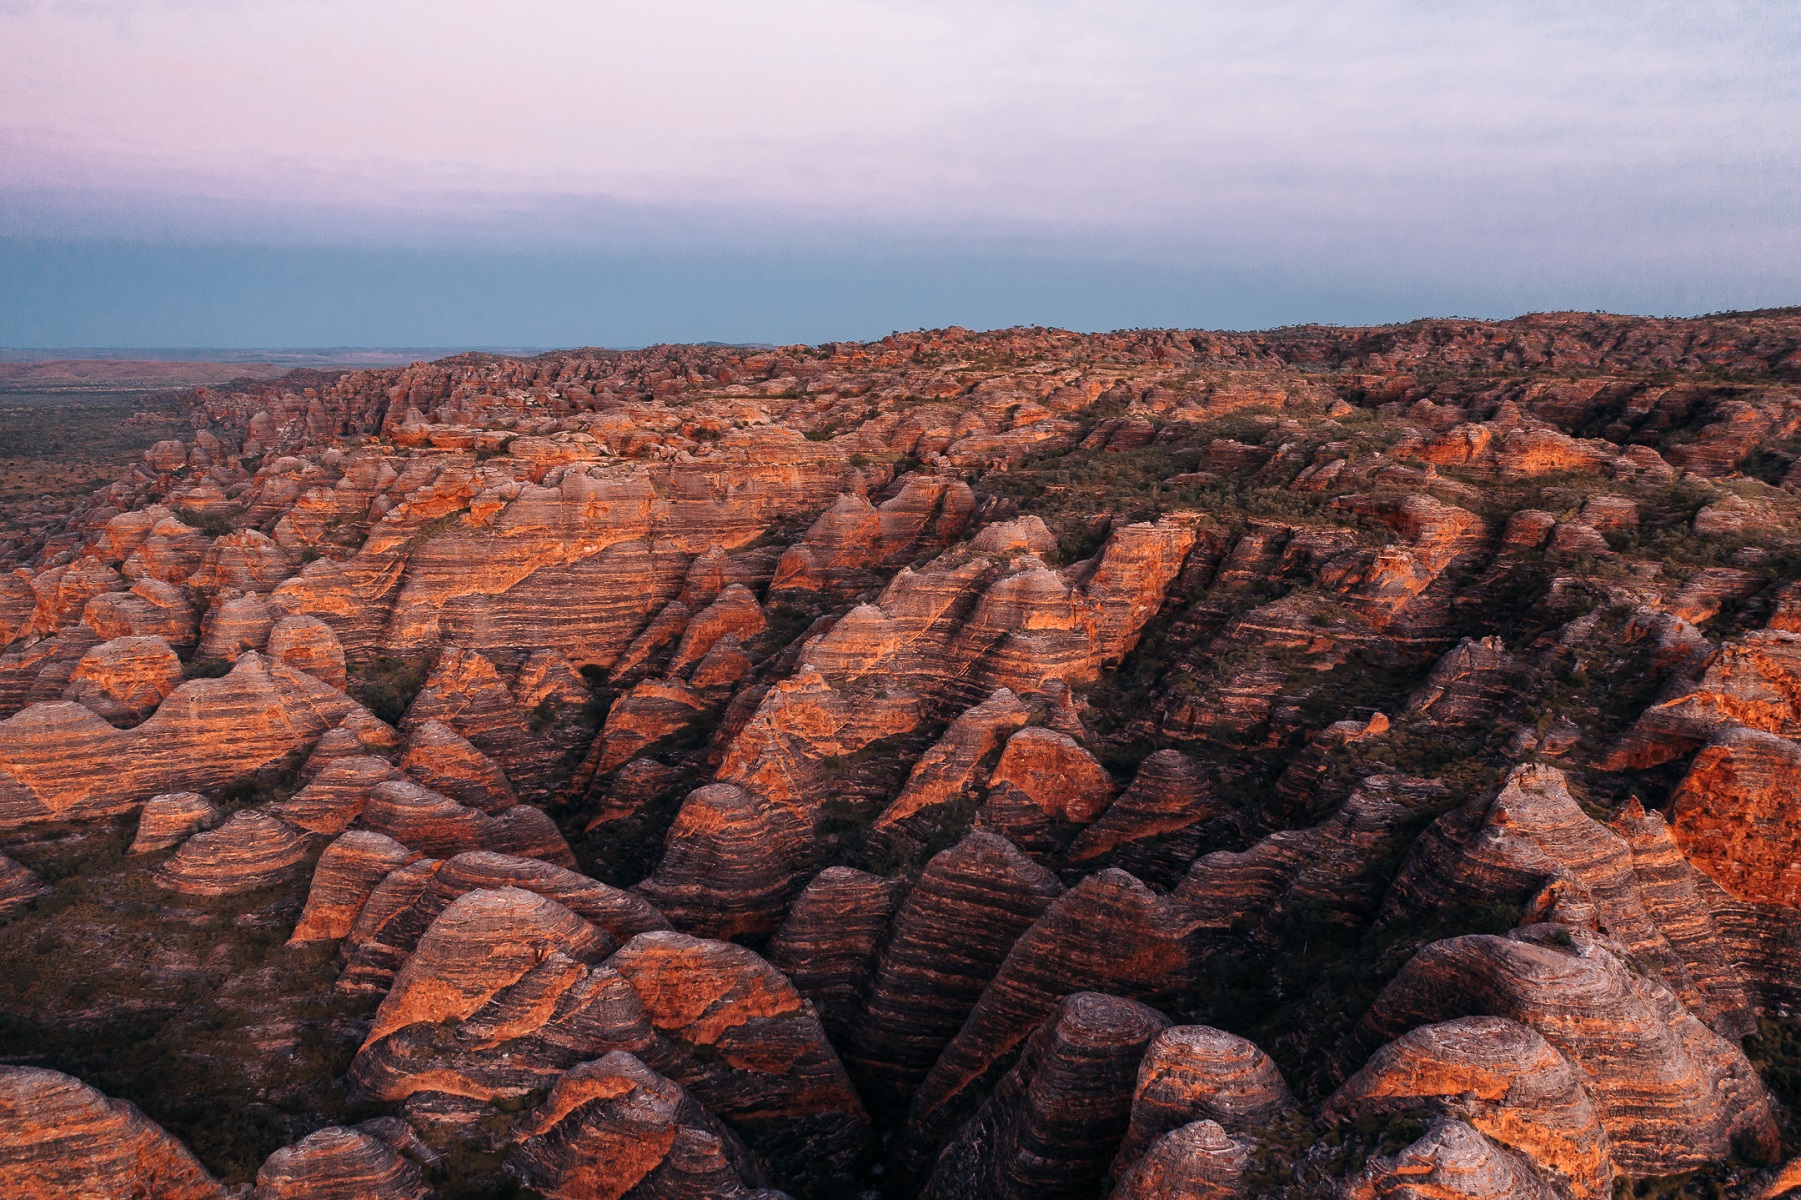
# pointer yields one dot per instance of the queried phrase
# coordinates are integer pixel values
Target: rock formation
(339, 1164)
(59, 1137)
(1053, 1123)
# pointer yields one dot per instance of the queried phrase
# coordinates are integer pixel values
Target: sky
(453, 172)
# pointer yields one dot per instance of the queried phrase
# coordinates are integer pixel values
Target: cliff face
(1323, 763)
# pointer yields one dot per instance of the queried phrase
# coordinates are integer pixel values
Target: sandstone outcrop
(1053, 1123)
(1193, 1073)
(1533, 836)
(376, 947)
(1504, 1081)
(949, 937)
(1197, 1161)
(61, 1138)
(168, 819)
(125, 679)
(61, 762)
(1158, 825)
(1452, 1161)
(830, 943)
(339, 1164)
(952, 768)
(437, 825)
(447, 763)
(1734, 815)
(1108, 932)
(753, 1052)
(250, 850)
(18, 885)
(347, 872)
(731, 865)
(614, 1128)
(308, 644)
(1669, 1092)
(1043, 782)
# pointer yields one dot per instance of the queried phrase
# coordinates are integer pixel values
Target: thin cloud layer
(1393, 137)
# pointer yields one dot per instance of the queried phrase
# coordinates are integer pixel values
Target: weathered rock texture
(61, 1138)
(1054, 1122)
(339, 1164)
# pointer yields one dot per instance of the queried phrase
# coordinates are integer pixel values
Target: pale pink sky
(1359, 157)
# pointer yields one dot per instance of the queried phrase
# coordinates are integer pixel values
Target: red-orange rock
(335, 1163)
(1735, 815)
(949, 938)
(1198, 1161)
(614, 1128)
(1503, 1080)
(829, 944)
(953, 767)
(730, 865)
(60, 1138)
(125, 679)
(1191, 1073)
(1669, 1091)
(308, 644)
(346, 873)
(1451, 1162)
(759, 1057)
(1044, 780)
(18, 885)
(61, 762)
(1158, 825)
(235, 624)
(168, 819)
(1108, 932)
(251, 850)
(447, 763)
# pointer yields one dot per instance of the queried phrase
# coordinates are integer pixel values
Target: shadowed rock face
(829, 945)
(949, 938)
(731, 866)
(953, 763)
(1055, 1121)
(339, 1164)
(59, 1137)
